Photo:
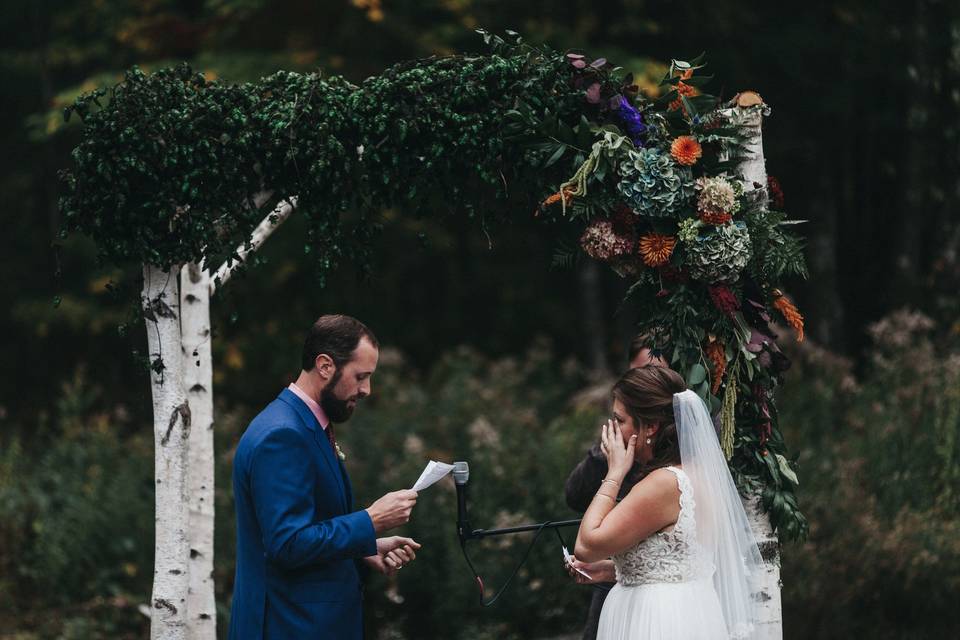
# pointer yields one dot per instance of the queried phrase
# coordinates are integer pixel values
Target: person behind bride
(584, 480)
(681, 547)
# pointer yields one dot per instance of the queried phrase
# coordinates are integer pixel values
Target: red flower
(624, 220)
(718, 219)
(765, 425)
(724, 300)
(717, 355)
(775, 192)
(671, 274)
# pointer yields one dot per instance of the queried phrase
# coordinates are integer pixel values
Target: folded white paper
(567, 558)
(433, 472)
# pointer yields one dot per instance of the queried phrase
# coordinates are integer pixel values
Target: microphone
(461, 475)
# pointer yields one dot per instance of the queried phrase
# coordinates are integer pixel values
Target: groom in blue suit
(301, 547)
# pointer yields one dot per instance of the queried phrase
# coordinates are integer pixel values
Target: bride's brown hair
(647, 395)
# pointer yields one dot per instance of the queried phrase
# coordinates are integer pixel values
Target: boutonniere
(340, 453)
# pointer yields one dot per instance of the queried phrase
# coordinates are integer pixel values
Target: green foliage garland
(168, 168)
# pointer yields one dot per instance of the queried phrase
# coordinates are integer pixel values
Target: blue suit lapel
(326, 451)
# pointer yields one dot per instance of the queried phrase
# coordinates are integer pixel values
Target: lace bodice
(671, 556)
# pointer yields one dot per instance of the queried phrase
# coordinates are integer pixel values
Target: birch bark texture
(195, 358)
(198, 384)
(747, 112)
(171, 429)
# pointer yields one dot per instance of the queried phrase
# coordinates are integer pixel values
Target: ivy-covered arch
(177, 172)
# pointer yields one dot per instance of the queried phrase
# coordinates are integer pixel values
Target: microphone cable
(516, 569)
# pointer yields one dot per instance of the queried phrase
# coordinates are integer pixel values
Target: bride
(681, 546)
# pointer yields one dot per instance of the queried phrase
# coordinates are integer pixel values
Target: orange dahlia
(656, 248)
(686, 150)
(790, 312)
(717, 355)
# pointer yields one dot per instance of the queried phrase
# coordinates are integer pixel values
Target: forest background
(486, 343)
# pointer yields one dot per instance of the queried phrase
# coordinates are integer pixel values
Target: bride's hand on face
(619, 456)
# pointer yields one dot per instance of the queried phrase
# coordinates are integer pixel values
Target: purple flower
(632, 120)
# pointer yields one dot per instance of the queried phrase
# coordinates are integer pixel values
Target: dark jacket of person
(582, 484)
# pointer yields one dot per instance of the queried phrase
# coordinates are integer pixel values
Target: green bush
(879, 460)
(878, 454)
(76, 526)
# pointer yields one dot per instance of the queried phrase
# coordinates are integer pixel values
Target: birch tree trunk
(748, 112)
(198, 383)
(171, 428)
(197, 286)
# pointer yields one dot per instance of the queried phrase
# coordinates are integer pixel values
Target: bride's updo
(647, 395)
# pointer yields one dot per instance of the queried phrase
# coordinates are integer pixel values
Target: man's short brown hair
(337, 336)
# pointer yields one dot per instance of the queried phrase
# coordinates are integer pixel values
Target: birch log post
(196, 288)
(198, 384)
(747, 111)
(171, 428)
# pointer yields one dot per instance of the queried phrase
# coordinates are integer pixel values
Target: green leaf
(703, 390)
(698, 81)
(773, 469)
(692, 110)
(696, 375)
(715, 403)
(556, 156)
(786, 471)
(778, 504)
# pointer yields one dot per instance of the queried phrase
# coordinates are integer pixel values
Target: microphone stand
(461, 475)
(478, 534)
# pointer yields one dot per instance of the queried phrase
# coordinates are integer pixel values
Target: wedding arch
(189, 177)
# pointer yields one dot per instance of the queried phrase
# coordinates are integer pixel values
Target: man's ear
(323, 365)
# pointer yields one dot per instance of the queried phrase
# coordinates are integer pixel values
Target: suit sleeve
(281, 481)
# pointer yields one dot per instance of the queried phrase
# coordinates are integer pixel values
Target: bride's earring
(648, 441)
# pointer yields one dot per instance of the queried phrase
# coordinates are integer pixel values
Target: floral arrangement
(664, 205)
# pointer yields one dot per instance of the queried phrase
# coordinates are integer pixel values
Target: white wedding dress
(665, 586)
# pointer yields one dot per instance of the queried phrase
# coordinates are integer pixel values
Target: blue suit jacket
(297, 539)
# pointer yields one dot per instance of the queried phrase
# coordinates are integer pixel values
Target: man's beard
(337, 409)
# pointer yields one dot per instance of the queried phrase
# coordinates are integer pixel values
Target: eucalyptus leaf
(696, 375)
(786, 471)
(561, 149)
